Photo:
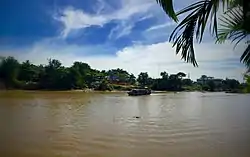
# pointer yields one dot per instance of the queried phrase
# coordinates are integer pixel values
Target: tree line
(55, 76)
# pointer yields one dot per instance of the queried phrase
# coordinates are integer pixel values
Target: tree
(81, 75)
(187, 82)
(132, 79)
(119, 76)
(234, 25)
(53, 76)
(28, 72)
(174, 82)
(181, 75)
(230, 84)
(9, 71)
(164, 75)
(203, 77)
(104, 85)
(247, 79)
(143, 78)
(211, 85)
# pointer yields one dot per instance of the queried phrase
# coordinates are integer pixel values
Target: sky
(108, 34)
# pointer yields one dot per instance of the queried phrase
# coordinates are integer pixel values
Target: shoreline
(113, 91)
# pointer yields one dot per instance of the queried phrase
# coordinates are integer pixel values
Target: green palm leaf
(167, 6)
(245, 58)
(234, 28)
(194, 25)
(196, 21)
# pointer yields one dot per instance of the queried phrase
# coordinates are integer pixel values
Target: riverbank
(18, 91)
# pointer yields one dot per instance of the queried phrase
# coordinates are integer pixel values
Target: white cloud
(161, 26)
(77, 19)
(130, 11)
(214, 60)
(121, 30)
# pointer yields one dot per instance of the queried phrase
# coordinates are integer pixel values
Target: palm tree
(164, 75)
(235, 25)
(181, 75)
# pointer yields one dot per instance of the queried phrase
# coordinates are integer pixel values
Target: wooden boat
(138, 92)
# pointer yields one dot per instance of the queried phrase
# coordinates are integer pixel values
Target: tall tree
(247, 79)
(181, 75)
(164, 75)
(28, 72)
(143, 79)
(132, 79)
(9, 71)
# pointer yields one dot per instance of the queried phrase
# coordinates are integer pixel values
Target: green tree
(132, 79)
(143, 79)
(28, 72)
(9, 70)
(174, 82)
(104, 85)
(203, 78)
(247, 79)
(81, 75)
(181, 75)
(211, 85)
(119, 76)
(231, 84)
(187, 82)
(234, 25)
(164, 75)
(53, 75)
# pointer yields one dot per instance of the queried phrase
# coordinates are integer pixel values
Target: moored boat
(137, 92)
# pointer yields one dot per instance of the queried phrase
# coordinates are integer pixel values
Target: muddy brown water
(72, 124)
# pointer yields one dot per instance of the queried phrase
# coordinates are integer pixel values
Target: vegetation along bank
(54, 76)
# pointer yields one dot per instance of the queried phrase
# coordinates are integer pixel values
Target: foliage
(120, 76)
(234, 25)
(104, 85)
(247, 79)
(172, 82)
(144, 79)
(54, 76)
(9, 71)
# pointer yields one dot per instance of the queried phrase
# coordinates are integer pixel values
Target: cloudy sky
(128, 34)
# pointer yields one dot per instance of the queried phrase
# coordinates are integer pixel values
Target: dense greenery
(54, 76)
(247, 85)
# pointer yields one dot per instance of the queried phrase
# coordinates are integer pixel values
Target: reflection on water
(49, 124)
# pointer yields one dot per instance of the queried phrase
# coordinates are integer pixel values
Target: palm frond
(235, 24)
(245, 58)
(167, 6)
(232, 26)
(234, 29)
(199, 13)
(186, 46)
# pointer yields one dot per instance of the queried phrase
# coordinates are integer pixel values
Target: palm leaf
(167, 6)
(192, 25)
(232, 26)
(245, 58)
(235, 25)
(184, 42)
(235, 29)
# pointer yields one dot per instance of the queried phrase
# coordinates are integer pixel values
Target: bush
(104, 86)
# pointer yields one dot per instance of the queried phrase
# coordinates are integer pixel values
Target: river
(72, 124)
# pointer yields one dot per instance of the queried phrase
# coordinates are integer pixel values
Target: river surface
(72, 124)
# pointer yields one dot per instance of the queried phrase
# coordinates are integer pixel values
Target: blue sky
(129, 34)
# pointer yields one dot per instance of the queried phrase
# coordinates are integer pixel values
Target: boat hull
(139, 92)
